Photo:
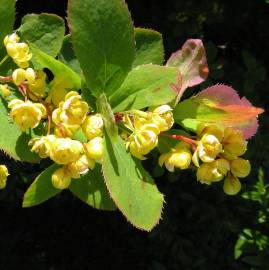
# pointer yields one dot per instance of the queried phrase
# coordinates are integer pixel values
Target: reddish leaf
(220, 105)
(237, 113)
(192, 63)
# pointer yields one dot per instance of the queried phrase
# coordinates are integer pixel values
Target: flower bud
(19, 76)
(80, 166)
(3, 176)
(93, 126)
(231, 185)
(65, 150)
(234, 143)
(94, 148)
(162, 117)
(26, 114)
(4, 90)
(61, 178)
(240, 167)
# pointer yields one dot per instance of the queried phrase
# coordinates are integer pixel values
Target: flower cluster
(217, 155)
(76, 157)
(62, 119)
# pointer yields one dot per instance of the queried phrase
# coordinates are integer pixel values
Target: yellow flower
(207, 149)
(143, 139)
(162, 117)
(94, 148)
(3, 176)
(61, 178)
(179, 157)
(4, 90)
(93, 126)
(231, 185)
(213, 171)
(38, 86)
(72, 112)
(65, 150)
(18, 51)
(26, 114)
(240, 167)
(62, 129)
(234, 143)
(42, 146)
(80, 166)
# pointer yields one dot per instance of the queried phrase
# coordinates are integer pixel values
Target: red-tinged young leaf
(221, 105)
(192, 63)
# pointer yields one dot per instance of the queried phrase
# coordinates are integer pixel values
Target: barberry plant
(97, 101)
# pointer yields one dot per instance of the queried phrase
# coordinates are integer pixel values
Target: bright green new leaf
(91, 189)
(12, 141)
(7, 18)
(146, 85)
(130, 186)
(41, 189)
(60, 70)
(149, 47)
(46, 31)
(67, 55)
(103, 39)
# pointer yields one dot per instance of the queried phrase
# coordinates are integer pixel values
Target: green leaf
(43, 60)
(41, 189)
(149, 47)
(147, 85)
(12, 141)
(7, 18)
(92, 190)
(108, 116)
(46, 31)
(130, 186)
(68, 57)
(103, 39)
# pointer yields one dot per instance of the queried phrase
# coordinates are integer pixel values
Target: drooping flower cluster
(217, 155)
(77, 158)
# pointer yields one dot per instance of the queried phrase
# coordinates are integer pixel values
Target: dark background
(200, 225)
